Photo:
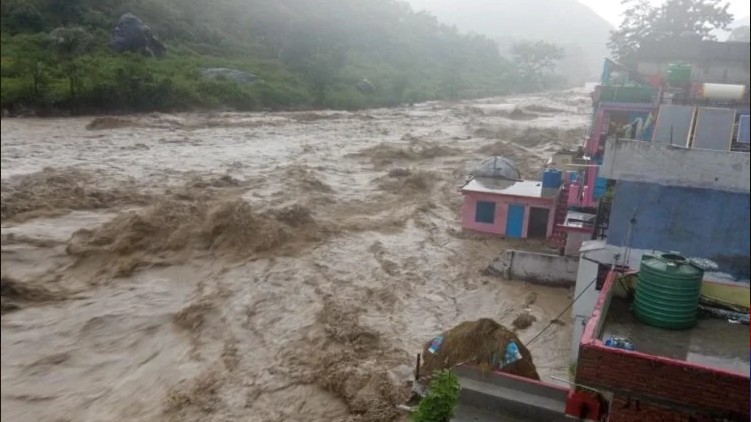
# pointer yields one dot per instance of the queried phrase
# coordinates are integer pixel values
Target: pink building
(517, 209)
(609, 117)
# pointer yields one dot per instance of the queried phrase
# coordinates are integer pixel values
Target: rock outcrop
(134, 35)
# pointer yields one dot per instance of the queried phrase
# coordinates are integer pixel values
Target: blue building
(684, 186)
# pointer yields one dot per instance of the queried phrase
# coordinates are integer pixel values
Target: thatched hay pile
(476, 342)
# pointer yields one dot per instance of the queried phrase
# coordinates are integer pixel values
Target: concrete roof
(525, 188)
(577, 219)
(647, 162)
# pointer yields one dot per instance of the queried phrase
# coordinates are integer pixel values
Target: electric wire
(562, 312)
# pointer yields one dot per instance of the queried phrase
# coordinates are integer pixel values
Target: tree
(68, 11)
(68, 44)
(672, 20)
(322, 70)
(20, 16)
(30, 60)
(438, 405)
(534, 58)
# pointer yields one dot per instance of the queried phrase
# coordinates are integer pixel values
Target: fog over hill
(566, 22)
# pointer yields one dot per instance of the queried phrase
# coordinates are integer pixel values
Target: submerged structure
(497, 201)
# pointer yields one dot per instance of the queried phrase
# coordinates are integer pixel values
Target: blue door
(515, 221)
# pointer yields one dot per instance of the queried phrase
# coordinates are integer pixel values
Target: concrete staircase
(558, 238)
(497, 397)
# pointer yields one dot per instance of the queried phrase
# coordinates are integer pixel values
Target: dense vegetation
(672, 19)
(308, 53)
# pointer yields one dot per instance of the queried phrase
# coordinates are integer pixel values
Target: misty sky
(608, 9)
(611, 9)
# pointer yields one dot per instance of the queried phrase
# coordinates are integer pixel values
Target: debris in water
(295, 215)
(417, 182)
(399, 172)
(523, 320)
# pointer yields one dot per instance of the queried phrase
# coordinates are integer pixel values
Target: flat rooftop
(714, 342)
(523, 188)
(576, 219)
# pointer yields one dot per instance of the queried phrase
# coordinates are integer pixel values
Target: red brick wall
(623, 410)
(666, 389)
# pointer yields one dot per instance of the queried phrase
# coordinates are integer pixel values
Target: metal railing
(603, 218)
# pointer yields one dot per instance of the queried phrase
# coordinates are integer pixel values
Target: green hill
(307, 53)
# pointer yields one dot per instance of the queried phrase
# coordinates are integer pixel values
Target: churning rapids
(256, 266)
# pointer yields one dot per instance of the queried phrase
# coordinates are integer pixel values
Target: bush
(438, 405)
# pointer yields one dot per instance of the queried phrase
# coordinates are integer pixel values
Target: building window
(485, 212)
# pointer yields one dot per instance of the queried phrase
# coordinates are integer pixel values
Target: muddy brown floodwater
(255, 266)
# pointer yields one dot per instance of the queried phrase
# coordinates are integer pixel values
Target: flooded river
(256, 266)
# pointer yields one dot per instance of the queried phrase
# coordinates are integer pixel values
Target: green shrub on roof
(441, 400)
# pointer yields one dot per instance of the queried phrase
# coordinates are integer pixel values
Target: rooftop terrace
(699, 373)
(714, 342)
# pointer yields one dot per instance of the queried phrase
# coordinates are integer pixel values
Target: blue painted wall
(696, 222)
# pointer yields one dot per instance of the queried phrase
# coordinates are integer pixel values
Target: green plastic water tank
(627, 94)
(668, 291)
(678, 73)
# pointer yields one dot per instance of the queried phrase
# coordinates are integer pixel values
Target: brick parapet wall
(658, 388)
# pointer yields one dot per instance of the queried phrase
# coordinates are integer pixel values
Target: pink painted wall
(589, 201)
(501, 211)
(590, 174)
(594, 137)
(573, 193)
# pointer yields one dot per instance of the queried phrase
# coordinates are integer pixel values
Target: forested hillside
(306, 53)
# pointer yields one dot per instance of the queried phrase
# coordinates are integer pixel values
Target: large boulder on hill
(134, 35)
(231, 74)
